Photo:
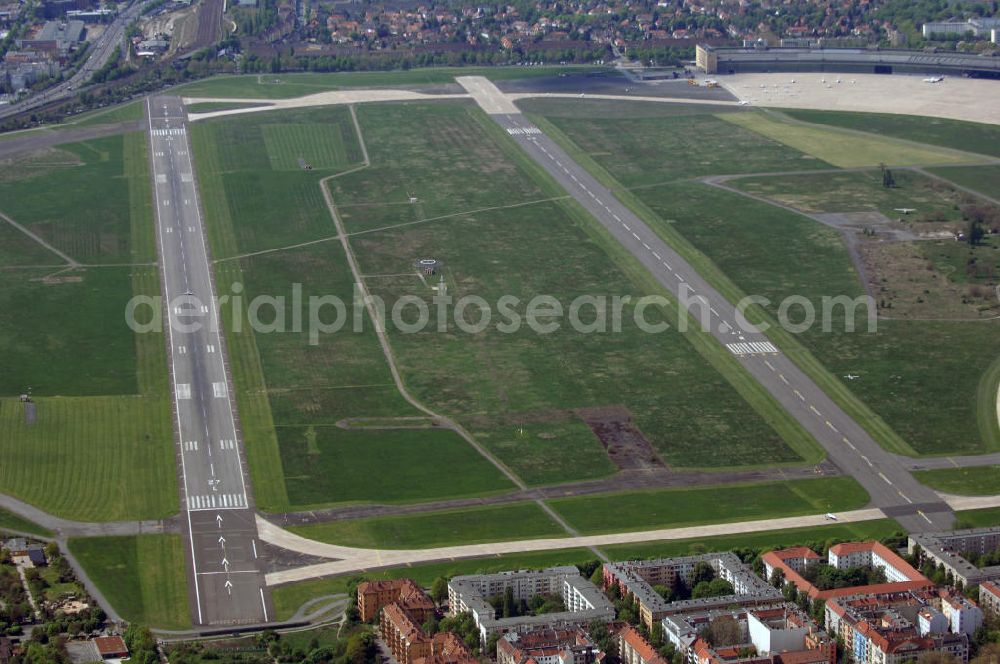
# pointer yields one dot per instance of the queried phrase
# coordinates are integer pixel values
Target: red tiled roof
(110, 645)
(640, 645)
(990, 587)
(795, 552)
(402, 623)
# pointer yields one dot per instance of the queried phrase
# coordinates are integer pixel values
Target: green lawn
(984, 179)
(516, 393)
(17, 249)
(973, 481)
(645, 144)
(102, 446)
(142, 576)
(81, 200)
(984, 518)
(674, 508)
(283, 86)
(931, 367)
(435, 154)
(11, 521)
(133, 110)
(860, 192)
(334, 466)
(515, 521)
(91, 458)
(67, 335)
(844, 149)
(956, 134)
(250, 163)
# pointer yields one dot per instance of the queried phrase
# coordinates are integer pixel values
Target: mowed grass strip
(971, 481)
(845, 149)
(12, 522)
(142, 576)
(982, 518)
(90, 458)
(515, 521)
(955, 134)
(316, 145)
(330, 465)
(674, 508)
(289, 598)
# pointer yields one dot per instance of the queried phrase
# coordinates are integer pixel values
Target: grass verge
(142, 576)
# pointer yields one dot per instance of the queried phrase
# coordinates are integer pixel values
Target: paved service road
(847, 444)
(226, 583)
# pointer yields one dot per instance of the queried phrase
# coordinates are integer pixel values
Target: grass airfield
(325, 424)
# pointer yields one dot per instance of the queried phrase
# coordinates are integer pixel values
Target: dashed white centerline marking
(799, 395)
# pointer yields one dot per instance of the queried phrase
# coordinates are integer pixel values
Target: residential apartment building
(892, 628)
(401, 624)
(949, 549)
(775, 633)
(633, 648)
(584, 602)
(548, 646)
(635, 579)
(989, 598)
(900, 575)
(374, 595)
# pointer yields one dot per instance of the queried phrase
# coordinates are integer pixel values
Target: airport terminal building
(766, 59)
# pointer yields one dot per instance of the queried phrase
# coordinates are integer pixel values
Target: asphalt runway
(848, 445)
(224, 569)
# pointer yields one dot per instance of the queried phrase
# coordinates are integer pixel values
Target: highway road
(101, 50)
(847, 444)
(225, 579)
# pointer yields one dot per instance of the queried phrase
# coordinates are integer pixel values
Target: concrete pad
(975, 100)
(488, 96)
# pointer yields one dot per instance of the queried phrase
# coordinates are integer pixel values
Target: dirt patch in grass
(906, 285)
(625, 444)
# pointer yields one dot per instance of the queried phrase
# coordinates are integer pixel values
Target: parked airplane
(831, 517)
(852, 376)
(744, 102)
(934, 79)
(905, 210)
